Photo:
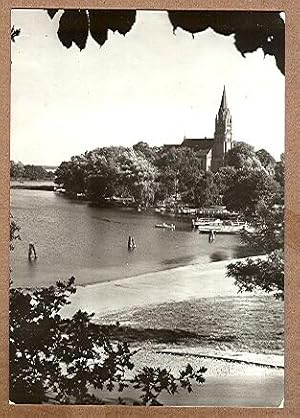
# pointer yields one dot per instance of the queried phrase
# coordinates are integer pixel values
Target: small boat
(234, 228)
(218, 229)
(199, 222)
(59, 190)
(165, 226)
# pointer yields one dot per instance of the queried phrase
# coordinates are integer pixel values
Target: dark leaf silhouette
(116, 20)
(52, 12)
(14, 33)
(252, 30)
(98, 28)
(73, 27)
(191, 21)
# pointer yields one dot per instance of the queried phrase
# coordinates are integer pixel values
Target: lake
(75, 239)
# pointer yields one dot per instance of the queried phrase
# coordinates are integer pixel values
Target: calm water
(73, 238)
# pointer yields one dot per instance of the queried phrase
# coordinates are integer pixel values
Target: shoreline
(159, 269)
(48, 185)
(175, 284)
(247, 358)
(233, 384)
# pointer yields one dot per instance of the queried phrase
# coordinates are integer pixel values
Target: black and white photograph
(147, 207)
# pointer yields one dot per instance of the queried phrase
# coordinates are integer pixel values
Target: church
(213, 150)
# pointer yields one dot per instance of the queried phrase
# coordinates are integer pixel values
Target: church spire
(224, 100)
(223, 134)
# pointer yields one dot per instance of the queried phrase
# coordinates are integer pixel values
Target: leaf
(190, 21)
(97, 30)
(13, 34)
(52, 12)
(73, 27)
(189, 369)
(252, 29)
(116, 20)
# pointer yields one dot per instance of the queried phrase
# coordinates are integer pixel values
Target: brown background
(292, 248)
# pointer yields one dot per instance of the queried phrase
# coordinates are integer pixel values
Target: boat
(200, 222)
(165, 226)
(59, 190)
(221, 229)
(226, 227)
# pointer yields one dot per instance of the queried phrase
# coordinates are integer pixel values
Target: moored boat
(165, 226)
(226, 228)
(200, 222)
(219, 229)
(206, 225)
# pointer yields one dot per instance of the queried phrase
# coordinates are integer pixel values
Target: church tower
(223, 134)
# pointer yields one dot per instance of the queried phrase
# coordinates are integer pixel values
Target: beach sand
(172, 285)
(228, 383)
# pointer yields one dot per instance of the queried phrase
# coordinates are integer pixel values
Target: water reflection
(32, 262)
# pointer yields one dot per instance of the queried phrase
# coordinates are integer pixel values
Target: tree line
(19, 171)
(149, 175)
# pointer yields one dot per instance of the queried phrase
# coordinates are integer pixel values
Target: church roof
(204, 144)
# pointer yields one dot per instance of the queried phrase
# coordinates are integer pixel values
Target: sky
(150, 85)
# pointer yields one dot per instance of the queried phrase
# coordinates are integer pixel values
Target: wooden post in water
(131, 243)
(31, 250)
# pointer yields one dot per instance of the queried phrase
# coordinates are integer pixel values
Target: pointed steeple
(223, 105)
(223, 134)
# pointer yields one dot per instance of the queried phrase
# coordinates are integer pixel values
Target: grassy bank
(252, 323)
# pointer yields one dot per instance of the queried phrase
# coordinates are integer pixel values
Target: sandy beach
(233, 378)
(172, 285)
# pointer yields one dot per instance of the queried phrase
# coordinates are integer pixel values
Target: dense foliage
(266, 274)
(14, 232)
(19, 171)
(142, 173)
(247, 187)
(242, 155)
(267, 217)
(251, 30)
(71, 360)
(148, 175)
